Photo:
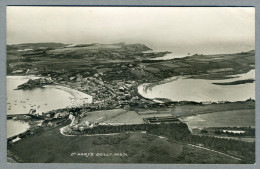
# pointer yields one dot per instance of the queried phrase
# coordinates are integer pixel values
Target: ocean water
(42, 99)
(200, 90)
(16, 127)
(183, 50)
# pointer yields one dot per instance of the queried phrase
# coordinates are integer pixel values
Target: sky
(163, 26)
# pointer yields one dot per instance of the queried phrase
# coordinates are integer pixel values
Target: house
(17, 71)
(121, 88)
(72, 78)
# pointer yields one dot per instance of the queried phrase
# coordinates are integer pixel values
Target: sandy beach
(43, 99)
(143, 88)
(77, 95)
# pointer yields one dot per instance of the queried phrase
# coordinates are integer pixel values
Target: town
(110, 75)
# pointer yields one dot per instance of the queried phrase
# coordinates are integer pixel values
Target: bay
(200, 90)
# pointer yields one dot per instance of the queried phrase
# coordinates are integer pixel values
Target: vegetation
(238, 82)
(245, 150)
(118, 63)
(30, 84)
(180, 132)
(121, 62)
(27, 149)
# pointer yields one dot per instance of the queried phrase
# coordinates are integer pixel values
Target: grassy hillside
(135, 148)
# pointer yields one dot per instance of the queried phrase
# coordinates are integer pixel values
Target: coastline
(237, 80)
(23, 76)
(78, 95)
(143, 88)
(78, 98)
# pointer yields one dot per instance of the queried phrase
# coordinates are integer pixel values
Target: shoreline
(149, 86)
(145, 87)
(23, 76)
(77, 95)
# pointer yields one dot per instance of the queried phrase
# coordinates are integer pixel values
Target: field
(237, 109)
(126, 63)
(113, 116)
(222, 119)
(130, 117)
(146, 113)
(188, 110)
(91, 48)
(102, 115)
(134, 148)
(93, 58)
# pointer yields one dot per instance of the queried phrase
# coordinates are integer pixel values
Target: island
(130, 127)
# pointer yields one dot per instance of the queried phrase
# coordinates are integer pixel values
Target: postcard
(151, 85)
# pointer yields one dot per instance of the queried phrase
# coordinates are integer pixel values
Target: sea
(200, 90)
(42, 99)
(179, 51)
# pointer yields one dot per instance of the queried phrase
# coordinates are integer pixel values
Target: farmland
(151, 149)
(111, 74)
(222, 119)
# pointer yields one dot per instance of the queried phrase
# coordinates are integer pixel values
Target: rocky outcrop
(30, 84)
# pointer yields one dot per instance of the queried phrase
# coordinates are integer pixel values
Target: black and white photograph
(147, 85)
